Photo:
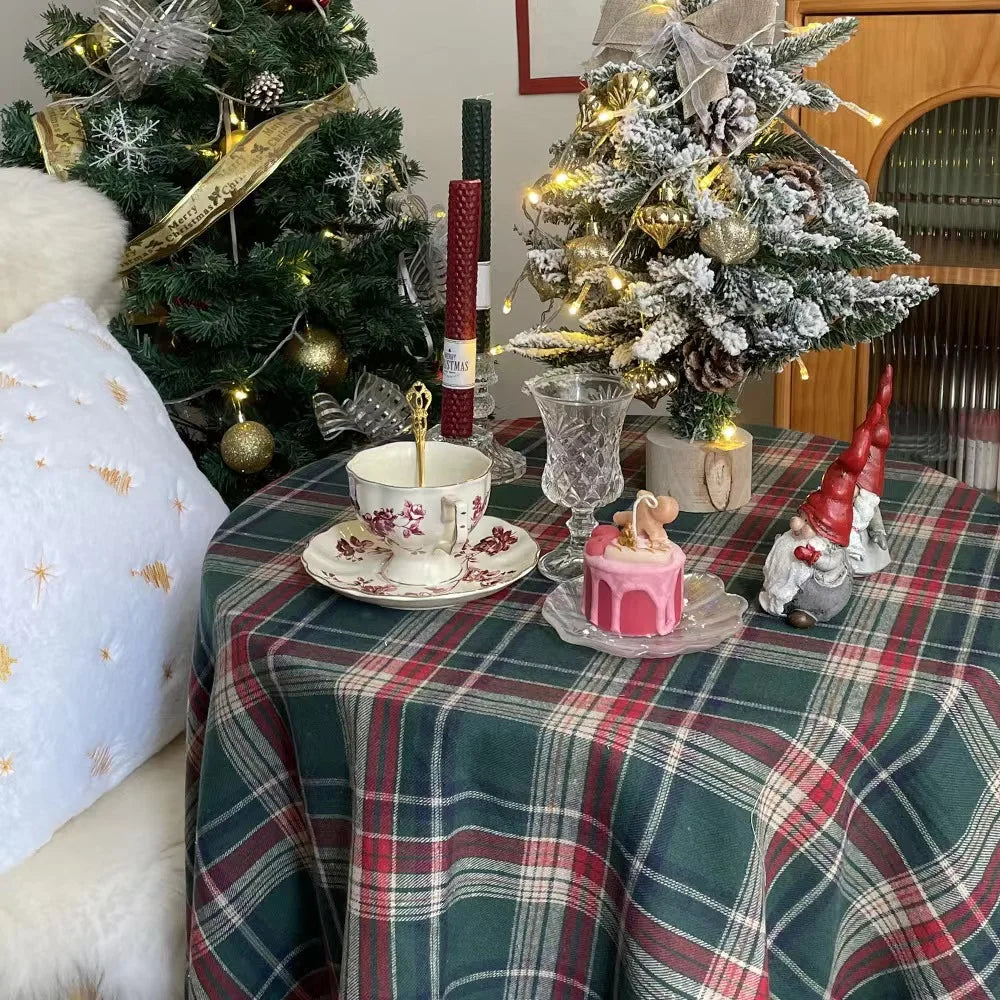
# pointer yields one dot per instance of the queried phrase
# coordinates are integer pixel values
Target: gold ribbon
(233, 178)
(62, 138)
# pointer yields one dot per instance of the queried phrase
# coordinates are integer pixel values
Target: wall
(433, 54)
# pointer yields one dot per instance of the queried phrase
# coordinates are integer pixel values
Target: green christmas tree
(695, 233)
(268, 211)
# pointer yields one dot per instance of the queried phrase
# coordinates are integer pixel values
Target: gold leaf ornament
(601, 108)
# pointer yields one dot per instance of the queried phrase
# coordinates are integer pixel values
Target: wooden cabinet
(907, 59)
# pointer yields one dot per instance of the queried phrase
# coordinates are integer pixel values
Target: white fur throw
(103, 528)
(57, 239)
(101, 907)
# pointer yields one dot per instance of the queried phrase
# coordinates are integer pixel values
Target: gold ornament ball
(663, 222)
(98, 43)
(586, 253)
(247, 447)
(732, 240)
(321, 352)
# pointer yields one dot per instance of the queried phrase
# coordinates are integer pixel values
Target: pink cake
(631, 586)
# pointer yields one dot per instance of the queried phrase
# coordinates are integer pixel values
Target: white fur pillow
(57, 239)
(103, 528)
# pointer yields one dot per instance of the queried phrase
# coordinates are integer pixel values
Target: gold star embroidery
(100, 761)
(79, 400)
(168, 671)
(8, 381)
(102, 342)
(156, 575)
(32, 417)
(6, 766)
(6, 662)
(119, 480)
(118, 391)
(42, 575)
(105, 654)
(178, 504)
(40, 463)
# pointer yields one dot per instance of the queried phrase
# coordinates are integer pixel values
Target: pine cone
(796, 174)
(709, 368)
(265, 91)
(734, 119)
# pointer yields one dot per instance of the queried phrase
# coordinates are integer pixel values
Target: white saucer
(710, 616)
(348, 559)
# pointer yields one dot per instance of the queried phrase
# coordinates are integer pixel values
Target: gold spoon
(419, 400)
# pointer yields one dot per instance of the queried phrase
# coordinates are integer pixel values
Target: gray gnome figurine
(807, 575)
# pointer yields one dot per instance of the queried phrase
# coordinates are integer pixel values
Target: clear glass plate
(710, 617)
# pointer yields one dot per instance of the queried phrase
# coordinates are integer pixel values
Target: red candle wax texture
(459, 368)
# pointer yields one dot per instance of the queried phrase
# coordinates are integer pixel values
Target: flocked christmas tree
(268, 212)
(707, 239)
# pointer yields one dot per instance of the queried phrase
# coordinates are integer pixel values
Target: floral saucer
(710, 617)
(348, 558)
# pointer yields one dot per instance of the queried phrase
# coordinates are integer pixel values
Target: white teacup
(426, 526)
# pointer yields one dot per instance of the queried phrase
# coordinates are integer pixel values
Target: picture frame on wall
(554, 40)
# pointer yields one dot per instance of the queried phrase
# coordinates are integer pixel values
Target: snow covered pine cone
(734, 119)
(709, 368)
(265, 91)
(795, 174)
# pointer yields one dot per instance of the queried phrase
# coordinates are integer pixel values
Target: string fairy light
(803, 371)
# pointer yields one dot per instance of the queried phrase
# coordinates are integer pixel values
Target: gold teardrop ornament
(649, 383)
(664, 222)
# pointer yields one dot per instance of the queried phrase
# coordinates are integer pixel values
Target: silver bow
(156, 37)
(378, 410)
(705, 41)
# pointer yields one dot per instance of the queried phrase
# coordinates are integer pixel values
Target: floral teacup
(426, 527)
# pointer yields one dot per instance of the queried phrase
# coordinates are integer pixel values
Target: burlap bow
(705, 41)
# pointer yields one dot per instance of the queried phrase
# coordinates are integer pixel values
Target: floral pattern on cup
(499, 540)
(478, 509)
(354, 549)
(385, 522)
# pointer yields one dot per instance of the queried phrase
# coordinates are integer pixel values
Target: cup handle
(462, 524)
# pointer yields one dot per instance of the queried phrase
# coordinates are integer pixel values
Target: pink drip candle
(632, 586)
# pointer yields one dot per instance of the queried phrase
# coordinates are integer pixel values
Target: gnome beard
(869, 549)
(807, 578)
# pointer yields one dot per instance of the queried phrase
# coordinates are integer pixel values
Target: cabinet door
(898, 66)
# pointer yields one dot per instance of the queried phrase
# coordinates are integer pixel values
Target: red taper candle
(459, 369)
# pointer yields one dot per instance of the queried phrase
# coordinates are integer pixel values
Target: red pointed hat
(872, 477)
(830, 509)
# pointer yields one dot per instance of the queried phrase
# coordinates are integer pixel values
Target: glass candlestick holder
(583, 414)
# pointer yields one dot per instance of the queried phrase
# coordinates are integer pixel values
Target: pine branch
(795, 53)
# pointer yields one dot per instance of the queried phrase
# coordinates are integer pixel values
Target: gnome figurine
(869, 549)
(807, 575)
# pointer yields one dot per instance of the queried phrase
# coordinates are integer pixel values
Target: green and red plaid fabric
(449, 805)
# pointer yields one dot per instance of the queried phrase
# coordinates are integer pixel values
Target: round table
(455, 804)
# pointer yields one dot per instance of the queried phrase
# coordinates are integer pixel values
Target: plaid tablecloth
(455, 805)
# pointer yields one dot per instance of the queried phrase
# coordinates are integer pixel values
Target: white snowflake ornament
(363, 178)
(123, 140)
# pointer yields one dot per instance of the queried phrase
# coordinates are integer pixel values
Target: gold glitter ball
(732, 240)
(321, 352)
(247, 447)
(586, 253)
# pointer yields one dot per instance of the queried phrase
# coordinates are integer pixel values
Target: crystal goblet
(583, 414)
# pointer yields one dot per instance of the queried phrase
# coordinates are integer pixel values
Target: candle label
(484, 286)
(459, 368)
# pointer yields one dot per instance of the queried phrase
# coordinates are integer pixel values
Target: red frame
(527, 84)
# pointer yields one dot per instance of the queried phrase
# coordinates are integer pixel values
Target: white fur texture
(104, 523)
(102, 904)
(58, 239)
